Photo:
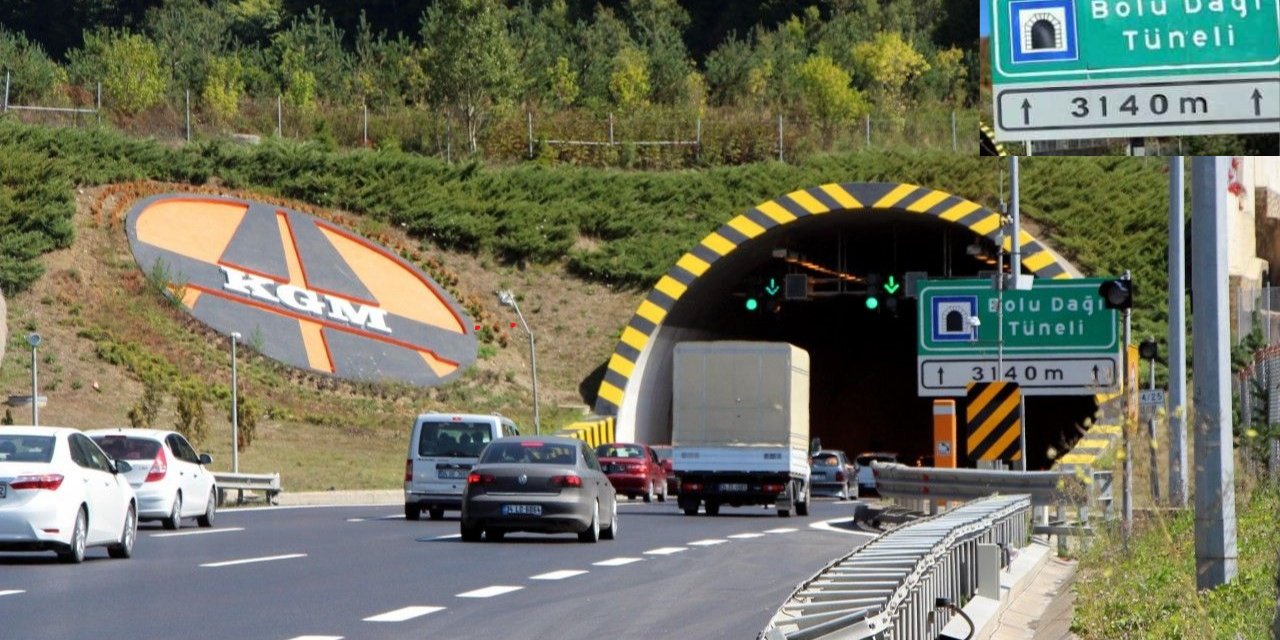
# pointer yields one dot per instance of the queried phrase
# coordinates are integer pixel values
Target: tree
(729, 72)
(128, 65)
(309, 51)
(658, 25)
(143, 413)
(191, 420)
(888, 63)
(564, 82)
(598, 41)
(32, 75)
(467, 56)
(222, 87)
(188, 33)
(629, 82)
(826, 93)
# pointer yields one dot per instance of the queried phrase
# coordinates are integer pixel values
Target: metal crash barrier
(889, 588)
(267, 483)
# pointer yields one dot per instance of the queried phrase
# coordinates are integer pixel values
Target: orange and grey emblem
(303, 291)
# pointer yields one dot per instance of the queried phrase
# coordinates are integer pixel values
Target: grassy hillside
(582, 246)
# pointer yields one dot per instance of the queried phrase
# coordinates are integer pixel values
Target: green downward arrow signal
(891, 286)
(773, 287)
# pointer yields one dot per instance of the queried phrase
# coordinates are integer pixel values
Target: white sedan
(60, 492)
(169, 477)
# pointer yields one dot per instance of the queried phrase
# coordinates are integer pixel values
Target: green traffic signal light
(752, 304)
(872, 302)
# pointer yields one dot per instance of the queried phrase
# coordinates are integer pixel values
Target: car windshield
(619, 451)
(453, 439)
(20, 448)
(826, 460)
(865, 461)
(527, 451)
(127, 448)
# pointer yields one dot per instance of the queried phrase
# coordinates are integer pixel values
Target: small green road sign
(1067, 69)
(1058, 338)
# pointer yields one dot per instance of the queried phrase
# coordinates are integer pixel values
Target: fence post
(611, 128)
(364, 106)
(528, 117)
(868, 121)
(448, 138)
(697, 150)
(279, 117)
(98, 105)
(187, 104)
(954, 144)
(6, 91)
(780, 137)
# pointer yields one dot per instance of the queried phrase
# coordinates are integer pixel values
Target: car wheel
(690, 507)
(648, 492)
(124, 549)
(74, 553)
(662, 496)
(592, 534)
(174, 519)
(436, 514)
(210, 511)
(412, 511)
(471, 534)
(612, 532)
(713, 508)
(494, 535)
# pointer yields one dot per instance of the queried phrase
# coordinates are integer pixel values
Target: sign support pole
(1151, 433)
(1215, 505)
(1177, 338)
(1127, 497)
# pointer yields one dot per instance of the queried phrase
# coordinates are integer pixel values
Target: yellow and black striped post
(994, 417)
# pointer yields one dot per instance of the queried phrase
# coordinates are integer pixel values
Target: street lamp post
(235, 409)
(34, 340)
(507, 298)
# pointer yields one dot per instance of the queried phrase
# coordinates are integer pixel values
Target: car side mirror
(206, 458)
(123, 467)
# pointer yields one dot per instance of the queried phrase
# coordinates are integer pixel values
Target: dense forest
(830, 61)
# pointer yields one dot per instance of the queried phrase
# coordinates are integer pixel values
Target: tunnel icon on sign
(1042, 30)
(954, 318)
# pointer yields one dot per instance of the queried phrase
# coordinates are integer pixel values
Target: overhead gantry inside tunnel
(849, 250)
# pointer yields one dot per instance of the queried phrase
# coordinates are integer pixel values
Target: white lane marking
(399, 517)
(12, 592)
(616, 562)
(489, 592)
(195, 532)
(356, 519)
(448, 537)
(317, 638)
(745, 536)
(400, 615)
(558, 575)
(706, 543)
(665, 551)
(229, 563)
(781, 530)
(825, 525)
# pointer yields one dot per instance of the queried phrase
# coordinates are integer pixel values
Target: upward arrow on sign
(891, 286)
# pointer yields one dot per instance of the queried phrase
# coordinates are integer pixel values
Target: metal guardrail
(1045, 487)
(267, 483)
(889, 588)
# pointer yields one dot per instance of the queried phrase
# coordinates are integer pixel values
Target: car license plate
(521, 509)
(4, 489)
(733, 486)
(453, 474)
(819, 476)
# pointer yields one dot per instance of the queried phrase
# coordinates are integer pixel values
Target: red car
(664, 456)
(634, 470)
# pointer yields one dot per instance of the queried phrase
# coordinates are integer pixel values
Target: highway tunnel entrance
(863, 380)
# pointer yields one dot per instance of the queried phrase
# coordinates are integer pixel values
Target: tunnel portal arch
(635, 349)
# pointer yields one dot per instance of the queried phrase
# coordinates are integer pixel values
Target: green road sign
(1066, 69)
(1053, 317)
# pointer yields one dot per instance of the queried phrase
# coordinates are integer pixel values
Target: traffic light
(873, 291)
(752, 303)
(1117, 294)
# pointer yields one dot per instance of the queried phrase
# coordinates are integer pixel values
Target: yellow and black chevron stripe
(989, 145)
(828, 199)
(595, 432)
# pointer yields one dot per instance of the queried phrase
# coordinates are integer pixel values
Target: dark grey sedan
(544, 484)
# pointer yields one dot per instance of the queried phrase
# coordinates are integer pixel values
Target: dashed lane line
(317, 638)
(558, 575)
(616, 562)
(746, 536)
(400, 615)
(12, 592)
(665, 551)
(229, 563)
(826, 525)
(781, 530)
(195, 532)
(707, 543)
(489, 592)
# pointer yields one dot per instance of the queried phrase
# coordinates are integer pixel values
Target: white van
(442, 449)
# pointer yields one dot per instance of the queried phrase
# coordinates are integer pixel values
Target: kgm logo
(1043, 30)
(304, 291)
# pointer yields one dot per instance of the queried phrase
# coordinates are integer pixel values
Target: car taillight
(408, 470)
(690, 486)
(480, 478)
(566, 481)
(49, 481)
(839, 476)
(773, 488)
(158, 468)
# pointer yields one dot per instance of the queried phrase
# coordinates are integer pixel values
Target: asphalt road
(364, 572)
